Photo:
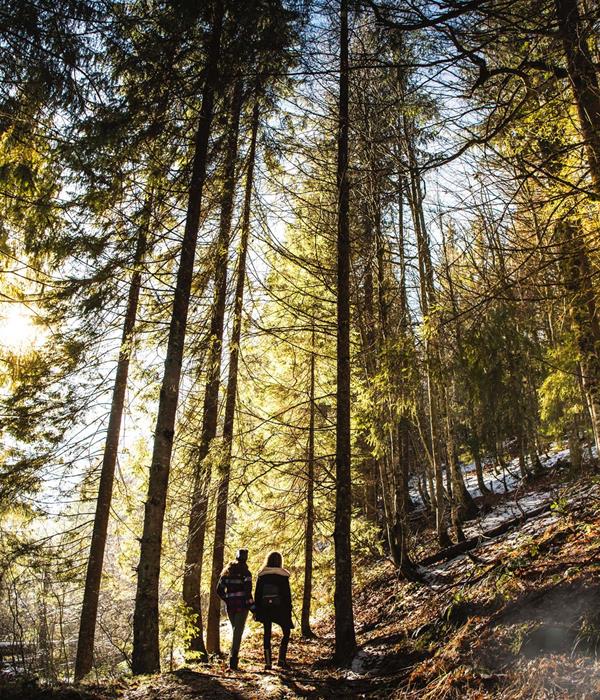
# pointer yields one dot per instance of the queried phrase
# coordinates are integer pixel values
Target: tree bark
(401, 557)
(345, 639)
(476, 449)
(423, 492)
(310, 505)
(577, 274)
(461, 496)
(583, 79)
(370, 468)
(427, 291)
(218, 557)
(91, 594)
(457, 511)
(146, 651)
(575, 453)
(192, 576)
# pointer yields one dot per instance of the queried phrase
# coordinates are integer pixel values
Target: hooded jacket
(273, 597)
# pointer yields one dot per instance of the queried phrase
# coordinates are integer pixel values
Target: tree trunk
(192, 576)
(577, 274)
(369, 337)
(575, 447)
(457, 511)
(398, 453)
(536, 465)
(402, 558)
(386, 500)
(475, 446)
(523, 455)
(214, 607)
(423, 492)
(345, 639)
(466, 505)
(464, 497)
(585, 398)
(405, 312)
(91, 594)
(583, 79)
(310, 506)
(427, 294)
(146, 651)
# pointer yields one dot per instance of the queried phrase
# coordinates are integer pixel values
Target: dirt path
(310, 676)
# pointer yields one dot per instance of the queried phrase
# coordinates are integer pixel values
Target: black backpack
(270, 596)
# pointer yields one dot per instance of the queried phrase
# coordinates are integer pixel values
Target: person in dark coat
(274, 605)
(235, 588)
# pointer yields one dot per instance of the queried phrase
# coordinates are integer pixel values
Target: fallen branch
(473, 542)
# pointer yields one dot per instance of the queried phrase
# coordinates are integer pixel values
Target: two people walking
(272, 603)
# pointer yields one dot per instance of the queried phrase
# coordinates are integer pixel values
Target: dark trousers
(284, 640)
(238, 622)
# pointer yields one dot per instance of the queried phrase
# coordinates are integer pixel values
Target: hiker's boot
(282, 661)
(268, 659)
(233, 663)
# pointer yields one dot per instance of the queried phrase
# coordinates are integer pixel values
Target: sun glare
(18, 332)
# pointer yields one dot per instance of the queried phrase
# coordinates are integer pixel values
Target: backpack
(270, 596)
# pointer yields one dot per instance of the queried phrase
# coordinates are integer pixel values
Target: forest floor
(516, 617)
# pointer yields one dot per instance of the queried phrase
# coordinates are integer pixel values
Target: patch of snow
(506, 511)
(552, 459)
(496, 479)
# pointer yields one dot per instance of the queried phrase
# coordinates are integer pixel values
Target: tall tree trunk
(402, 559)
(310, 505)
(408, 458)
(405, 440)
(577, 274)
(522, 457)
(387, 502)
(423, 492)
(456, 496)
(536, 465)
(463, 498)
(369, 344)
(427, 291)
(402, 256)
(214, 607)
(466, 505)
(589, 409)
(476, 450)
(583, 79)
(345, 639)
(192, 576)
(146, 651)
(91, 594)
(398, 461)
(575, 453)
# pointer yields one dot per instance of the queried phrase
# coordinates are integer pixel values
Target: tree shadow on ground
(197, 684)
(306, 684)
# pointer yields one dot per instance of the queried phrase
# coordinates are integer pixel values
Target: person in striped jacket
(235, 588)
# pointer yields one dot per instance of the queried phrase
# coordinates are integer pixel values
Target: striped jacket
(235, 588)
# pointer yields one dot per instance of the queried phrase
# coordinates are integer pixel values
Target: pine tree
(146, 652)
(345, 642)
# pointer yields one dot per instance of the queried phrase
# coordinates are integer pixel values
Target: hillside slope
(516, 617)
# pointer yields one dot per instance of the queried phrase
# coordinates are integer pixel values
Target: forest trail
(307, 677)
(518, 617)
